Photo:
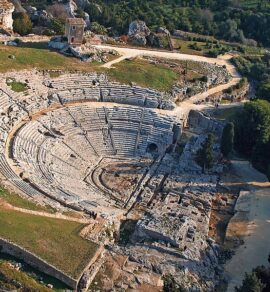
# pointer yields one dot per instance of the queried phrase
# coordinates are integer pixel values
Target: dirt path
(7, 206)
(222, 61)
(256, 247)
(131, 52)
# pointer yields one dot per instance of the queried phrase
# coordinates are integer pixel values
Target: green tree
(22, 23)
(264, 90)
(204, 156)
(57, 26)
(252, 133)
(98, 28)
(258, 280)
(227, 139)
(251, 283)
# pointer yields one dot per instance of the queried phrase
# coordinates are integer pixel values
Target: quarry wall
(198, 119)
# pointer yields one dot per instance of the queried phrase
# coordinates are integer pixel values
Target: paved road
(256, 246)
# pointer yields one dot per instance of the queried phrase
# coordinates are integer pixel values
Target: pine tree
(204, 156)
(251, 283)
(227, 139)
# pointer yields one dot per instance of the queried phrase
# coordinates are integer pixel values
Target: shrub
(22, 23)
(98, 28)
(204, 156)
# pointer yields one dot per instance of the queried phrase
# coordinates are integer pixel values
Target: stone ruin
(82, 142)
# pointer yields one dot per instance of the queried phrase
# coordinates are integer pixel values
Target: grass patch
(17, 201)
(144, 74)
(227, 114)
(27, 272)
(185, 47)
(54, 240)
(11, 279)
(54, 74)
(40, 58)
(15, 85)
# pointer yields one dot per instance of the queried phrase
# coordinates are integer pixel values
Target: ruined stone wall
(36, 262)
(142, 231)
(199, 120)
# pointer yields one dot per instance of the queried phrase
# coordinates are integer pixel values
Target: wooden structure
(74, 31)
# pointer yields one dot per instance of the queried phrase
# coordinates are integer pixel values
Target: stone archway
(152, 148)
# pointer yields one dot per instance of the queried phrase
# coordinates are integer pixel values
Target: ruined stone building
(74, 31)
(6, 10)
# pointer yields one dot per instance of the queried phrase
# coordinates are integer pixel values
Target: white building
(6, 10)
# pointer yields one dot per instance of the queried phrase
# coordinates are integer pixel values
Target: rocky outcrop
(205, 123)
(71, 8)
(163, 30)
(57, 43)
(138, 33)
(159, 40)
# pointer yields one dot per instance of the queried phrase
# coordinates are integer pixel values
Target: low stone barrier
(36, 262)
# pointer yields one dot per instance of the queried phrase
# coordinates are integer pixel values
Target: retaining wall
(36, 262)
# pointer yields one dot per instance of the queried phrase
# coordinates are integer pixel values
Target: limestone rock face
(57, 43)
(163, 30)
(6, 10)
(138, 33)
(71, 8)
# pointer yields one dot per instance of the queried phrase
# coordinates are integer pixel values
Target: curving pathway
(224, 60)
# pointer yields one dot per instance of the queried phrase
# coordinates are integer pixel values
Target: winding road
(126, 53)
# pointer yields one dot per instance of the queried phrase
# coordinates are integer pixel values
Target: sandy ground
(256, 247)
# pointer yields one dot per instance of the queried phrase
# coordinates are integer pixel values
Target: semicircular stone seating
(54, 136)
(57, 151)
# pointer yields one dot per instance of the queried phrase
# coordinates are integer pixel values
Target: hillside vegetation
(252, 134)
(242, 21)
(232, 20)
